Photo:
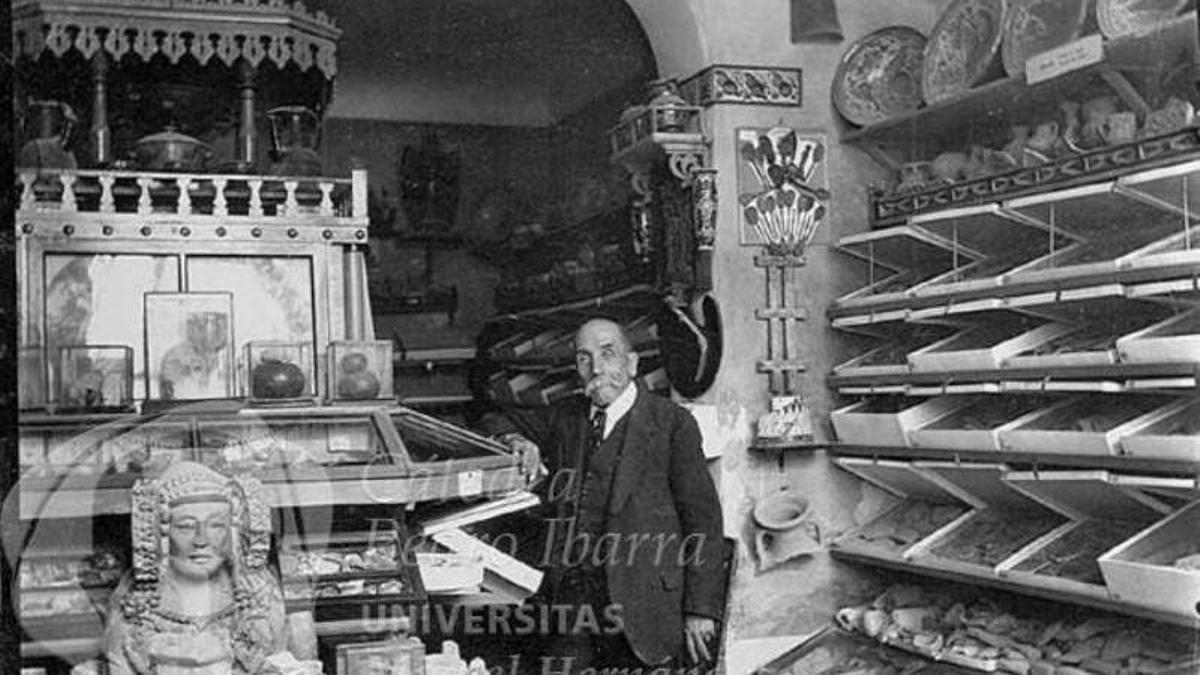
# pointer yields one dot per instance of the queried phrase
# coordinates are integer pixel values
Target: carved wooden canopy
(279, 31)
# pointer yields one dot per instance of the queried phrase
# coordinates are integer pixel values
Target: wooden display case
(310, 456)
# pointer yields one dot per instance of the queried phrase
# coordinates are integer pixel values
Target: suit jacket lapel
(639, 439)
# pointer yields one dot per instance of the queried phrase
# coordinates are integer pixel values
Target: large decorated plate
(1034, 26)
(962, 48)
(1128, 17)
(879, 76)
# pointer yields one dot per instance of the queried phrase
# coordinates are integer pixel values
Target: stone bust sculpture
(200, 599)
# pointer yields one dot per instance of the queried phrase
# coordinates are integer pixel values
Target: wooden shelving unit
(1092, 240)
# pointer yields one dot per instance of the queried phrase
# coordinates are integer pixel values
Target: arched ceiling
(505, 62)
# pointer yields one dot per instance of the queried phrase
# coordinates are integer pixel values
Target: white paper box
(1161, 434)
(942, 355)
(857, 425)
(1044, 433)
(1172, 341)
(1140, 571)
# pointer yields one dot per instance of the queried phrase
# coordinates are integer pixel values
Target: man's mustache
(598, 381)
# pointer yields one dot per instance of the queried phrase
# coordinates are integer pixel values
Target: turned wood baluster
(144, 204)
(68, 195)
(185, 199)
(27, 199)
(108, 203)
(220, 206)
(256, 209)
(326, 198)
(290, 205)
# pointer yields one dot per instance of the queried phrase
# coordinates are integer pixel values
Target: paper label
(470, 483)
(1060, 60)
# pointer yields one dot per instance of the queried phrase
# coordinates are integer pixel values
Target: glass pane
(428, 440)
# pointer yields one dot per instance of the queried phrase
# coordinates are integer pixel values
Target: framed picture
(273, 299)
(189, 346)
(390, 657)
(782, 182)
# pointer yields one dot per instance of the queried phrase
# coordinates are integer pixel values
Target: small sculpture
(1042, 144)
(200, 598)
(914, 176)
(1095, 118)
(949, 167)
(1016, 147)
(1071, 127)
(356, 381)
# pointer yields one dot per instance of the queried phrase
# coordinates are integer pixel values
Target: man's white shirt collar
(618, 408)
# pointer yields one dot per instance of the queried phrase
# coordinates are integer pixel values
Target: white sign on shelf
(1061, 60)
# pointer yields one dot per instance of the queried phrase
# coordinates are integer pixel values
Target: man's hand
(530, 456)
(698, 632)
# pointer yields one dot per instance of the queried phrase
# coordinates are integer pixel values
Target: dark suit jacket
(663, 512)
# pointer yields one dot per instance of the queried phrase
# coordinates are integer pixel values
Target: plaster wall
(801, 595)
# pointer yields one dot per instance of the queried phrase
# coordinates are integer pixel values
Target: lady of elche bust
(200, 599)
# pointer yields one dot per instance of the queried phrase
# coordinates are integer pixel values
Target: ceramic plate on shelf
(962, 48)
(879, 76)
(1034, 26)
(1129, 17)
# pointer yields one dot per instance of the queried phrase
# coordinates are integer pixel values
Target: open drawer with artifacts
(1159, 568)
(886, 420)
(1174, 340)
(1004, 523)
(920, 507)
(891, 357)
(985, 340)
(1105, 512)
(1171, 432)
(1096, 326)
(899, 258)
(1082, 425)
(1004, 240)
(338, 571)
(66, 575)
(977, 425)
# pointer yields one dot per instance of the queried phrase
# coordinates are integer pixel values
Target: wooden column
(246, 135)
(101, 135)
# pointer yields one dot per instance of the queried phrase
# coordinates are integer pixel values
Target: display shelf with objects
(1072, 417)
(1088, 250)
(1127, 107)
(1040, 533)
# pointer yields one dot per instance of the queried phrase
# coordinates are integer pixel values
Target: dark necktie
(596, 436)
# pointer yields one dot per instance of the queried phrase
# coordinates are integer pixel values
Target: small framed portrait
(389, 657)
(189, 346)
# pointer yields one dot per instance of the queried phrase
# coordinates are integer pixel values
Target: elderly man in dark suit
(636, 536)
